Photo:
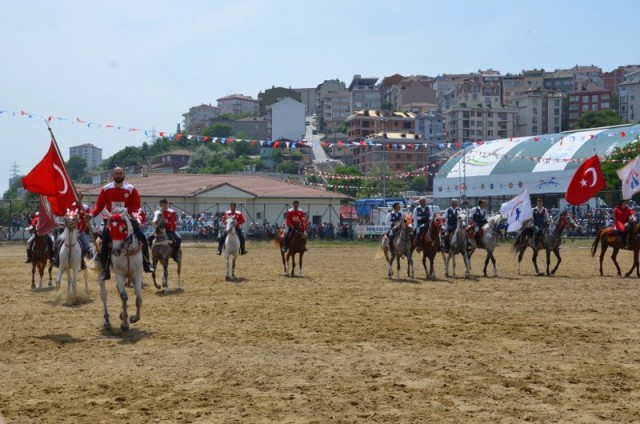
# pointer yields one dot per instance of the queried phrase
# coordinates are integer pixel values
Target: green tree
(615, 161)
(288, 167)
(127, 157)
(76, 166)
(599, 118)
(218, 130)
(200, 159)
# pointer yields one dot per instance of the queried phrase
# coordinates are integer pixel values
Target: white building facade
(287, 119)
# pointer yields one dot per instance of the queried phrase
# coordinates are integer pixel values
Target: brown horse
(297, 244)
(430, 246)
(607, 237)
(40, 254)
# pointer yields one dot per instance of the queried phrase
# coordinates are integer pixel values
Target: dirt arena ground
(341, 345)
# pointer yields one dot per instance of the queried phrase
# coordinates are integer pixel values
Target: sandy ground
(341, 345)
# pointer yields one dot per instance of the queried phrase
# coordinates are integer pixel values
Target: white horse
(402, 246)
(126, 261)
(458, 244)
(489, 241)
(70, 257)
(231, 247)
(162, 250)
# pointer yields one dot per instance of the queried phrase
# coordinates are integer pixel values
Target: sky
(110, 72)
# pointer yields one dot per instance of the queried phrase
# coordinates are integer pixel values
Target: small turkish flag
(586, 182)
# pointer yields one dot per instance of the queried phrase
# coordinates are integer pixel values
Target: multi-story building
(629, 97)
(308, 99)
(430, 126)
(587, 100)
(196, 119)
(612, 79)
(274, 95)
(588, 76)
(445, 84)
(88, 152)
(475, 124)
(335, 109)
(392, 151)
(364, 94)
(515, 85)
(286, 120)
(171, 162)
(559, 80)
(237, 103)
(364, 123)
(412, 90)
(539, 112)
(326, 87)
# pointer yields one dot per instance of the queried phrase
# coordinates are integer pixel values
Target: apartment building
(445, 84)
(475, 124)
(391, 150)
(484, 88)
(515, 85)
(274, 95)
(412, 90)
(196, 119)
(629, 98)
(612, 79)
(364, 94)
(308, 99)
(430, 126)
(88, 152)
(335, 109)
(539, 112)
(364, 123)
(587, 100)
(237, 103)
(286, 120)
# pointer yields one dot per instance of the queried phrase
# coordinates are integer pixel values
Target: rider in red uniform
(82, 210)
(239, 221)
(170, 225)
(114, 195)
(32, 229)
(294, 215)
(623, 214)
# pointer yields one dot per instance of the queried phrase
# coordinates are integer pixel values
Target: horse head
(407, 222)
(437, 222)
(230, 225)
(565, 220)
(71, 220)
(158, 221)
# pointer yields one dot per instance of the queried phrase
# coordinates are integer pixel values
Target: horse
(550, 240)
(606, 237)
(297, 245)
(162, 250)
(40, 254)
(70, 256)
(402, 246)
(430, 246)
(459, 244)
(231, 247)
(126, 260)
(489, 241)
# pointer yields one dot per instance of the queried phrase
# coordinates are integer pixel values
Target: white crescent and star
(591, 171)
(57, 168)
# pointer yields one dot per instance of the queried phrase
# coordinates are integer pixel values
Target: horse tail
(594, 246)
(517, 243)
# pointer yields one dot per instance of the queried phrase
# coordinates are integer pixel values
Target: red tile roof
(190, 185)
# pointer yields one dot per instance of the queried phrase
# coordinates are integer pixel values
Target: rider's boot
(106, 274)
(242, 249)
(28, 261)
(220, 242)
(146, 264)
(285, 243)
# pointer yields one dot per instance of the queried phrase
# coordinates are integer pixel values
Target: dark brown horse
(40, 254)
(607, 237)
(297, 244)
(430, 246)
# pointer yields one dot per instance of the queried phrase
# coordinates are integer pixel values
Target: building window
(585, 108)
(594, 106)
(604, 105)
(585, 99)
(534, 129)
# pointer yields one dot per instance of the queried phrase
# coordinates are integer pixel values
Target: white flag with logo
(517, 210)
(630, 176)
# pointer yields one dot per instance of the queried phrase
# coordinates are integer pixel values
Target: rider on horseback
(541, 219)
(239, 221)
(170, 226)
(35, 217)
(114, 195)
(294, 215)
(623, 216)
(422, 218)
(451, 221)
(392, 218)
(81, 210)
(478, 220)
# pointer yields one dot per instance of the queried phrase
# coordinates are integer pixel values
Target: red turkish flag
(46, 223)
(586, 182)
(49, 178)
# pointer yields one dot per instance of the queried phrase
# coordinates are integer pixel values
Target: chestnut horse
(402, 246)
(297, 244)
(431, 245)
(40, 254)
(606, 237)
